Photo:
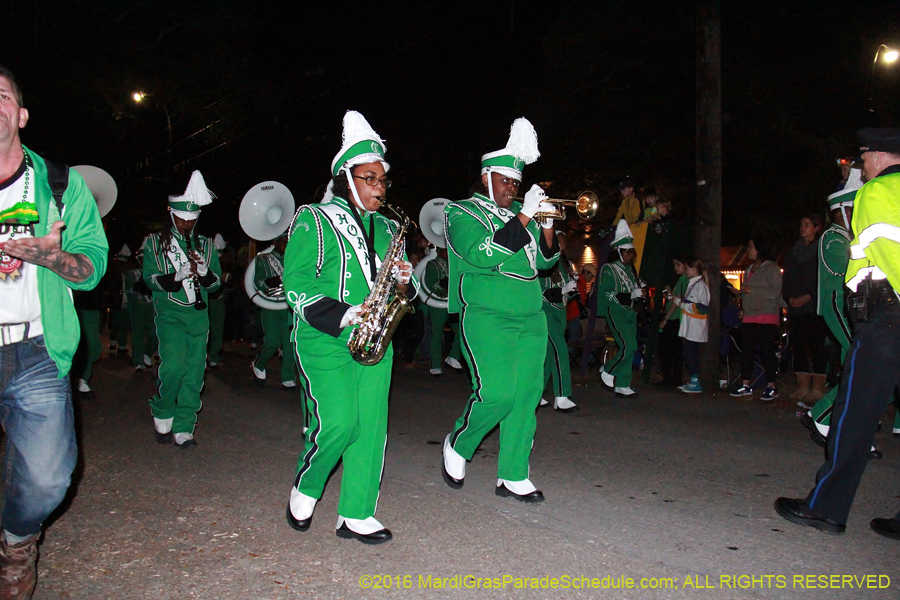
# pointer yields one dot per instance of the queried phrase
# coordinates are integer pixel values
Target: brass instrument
(384, 306)
(586, 205)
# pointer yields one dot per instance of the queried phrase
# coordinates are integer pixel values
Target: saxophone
(384, 306)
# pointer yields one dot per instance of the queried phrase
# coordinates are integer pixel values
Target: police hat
(879, 139)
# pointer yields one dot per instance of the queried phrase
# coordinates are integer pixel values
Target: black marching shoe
(451, 481)
(376, 537)
(535, 496)
(796, 512)
(163, 438)
(889, 528)
(295, 523)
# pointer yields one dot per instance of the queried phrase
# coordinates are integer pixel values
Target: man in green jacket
(332, 260)
(47, 249)
(181, 268)
(496, 248)
(277, 323)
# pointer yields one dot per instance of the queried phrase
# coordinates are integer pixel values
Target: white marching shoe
(625, 392)
(607, 379)
(453, 363)
(300, 510)
(368, 531)
(563, 404)
(543, 402)
(454, 466)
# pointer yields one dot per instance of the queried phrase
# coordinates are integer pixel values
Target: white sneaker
(181, 438)
(543, 402)
(563, 403)
(257, 373)
(289, 384)
(607, 379)
(162, 425)
(520, 488)
(625, 391)
(148, 361)
(454, 464)
(453, 363)
(436, 372)
(302, 506)
(362, 527)
(83, 387)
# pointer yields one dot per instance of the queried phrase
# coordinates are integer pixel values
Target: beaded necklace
(27, 159)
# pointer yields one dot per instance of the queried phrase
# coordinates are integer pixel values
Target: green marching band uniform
(140, 308)
(556, 283)
(216, 310)
(327, 275)
(182, 329)
(437, 273)
(494, 262)
(834, 254)
(619, 287)
(276, 323)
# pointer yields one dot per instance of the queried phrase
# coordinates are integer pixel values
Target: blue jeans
(36, 414)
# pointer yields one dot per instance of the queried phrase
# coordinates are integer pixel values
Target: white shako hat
(196, 196)
(623, 238)
(124, 253)
(360, 145)
(846, 196)
(521, 150)
(219, 242)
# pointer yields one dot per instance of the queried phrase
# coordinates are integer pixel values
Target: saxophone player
(332, 259)
(496, 249)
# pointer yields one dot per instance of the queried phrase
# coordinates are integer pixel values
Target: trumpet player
(332, 259)
(496, 248)
(181, 268)
(276, 323)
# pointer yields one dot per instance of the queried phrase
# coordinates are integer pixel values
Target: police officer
(872, 367)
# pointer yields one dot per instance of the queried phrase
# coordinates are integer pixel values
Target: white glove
(351, 317)
(202, 267)
(569, 287)
(636, 293)
(184, 271)
(533, 199)
(546, 223)
(402, 271)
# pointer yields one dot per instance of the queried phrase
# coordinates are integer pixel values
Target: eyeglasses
(373, 180)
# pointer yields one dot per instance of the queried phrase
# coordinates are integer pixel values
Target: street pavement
(666, 491)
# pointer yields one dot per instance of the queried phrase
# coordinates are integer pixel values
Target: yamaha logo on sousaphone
(266, 212)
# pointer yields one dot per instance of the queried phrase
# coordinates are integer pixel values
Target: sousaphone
(101, 185)
(266, 212)
(431, 222)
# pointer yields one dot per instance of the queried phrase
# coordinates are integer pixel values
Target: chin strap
(353, 191)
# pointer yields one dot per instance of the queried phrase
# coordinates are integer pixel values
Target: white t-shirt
(19, 301)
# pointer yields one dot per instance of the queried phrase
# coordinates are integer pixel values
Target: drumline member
(332, 258)
(496, 249)
(181, 268)
(277, 324)
(619, 288)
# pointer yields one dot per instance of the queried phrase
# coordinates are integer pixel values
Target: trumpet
(586, 205)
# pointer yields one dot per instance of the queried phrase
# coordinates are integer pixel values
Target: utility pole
(708, 208)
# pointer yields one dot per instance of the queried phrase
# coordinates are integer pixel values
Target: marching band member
(181, 268)
(217, 307)
(558, 286)
(436, 278)
(140, 310)
(331, 261)
(496, 249)
(269, 267)
(619, 288)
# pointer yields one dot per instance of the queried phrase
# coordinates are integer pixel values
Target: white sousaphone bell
(431, 222)
(266, 212)
(101, 185)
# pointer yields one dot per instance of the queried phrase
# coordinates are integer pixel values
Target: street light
(889, 56)
(139, 97)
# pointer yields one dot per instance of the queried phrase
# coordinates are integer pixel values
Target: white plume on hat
(356, 130)
(854, 181)
(523, 142)
(196, 191)
(623, 238)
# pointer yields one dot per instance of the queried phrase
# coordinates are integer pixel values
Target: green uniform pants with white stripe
(119, 324)
(556, 363)
(182, 332)
(143, 332)
(216, 330)
(439, 318)
(89, 345)
(347, 412)
(504, 337)
(622, 324)
(277, 328)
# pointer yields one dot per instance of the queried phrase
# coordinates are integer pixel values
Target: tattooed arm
(47, 252)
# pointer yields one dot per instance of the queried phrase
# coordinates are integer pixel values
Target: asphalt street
(668, 493)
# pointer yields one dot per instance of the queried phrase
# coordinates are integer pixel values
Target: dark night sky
(256, 91)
